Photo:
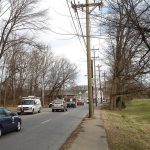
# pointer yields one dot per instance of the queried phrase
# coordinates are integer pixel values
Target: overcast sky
(68, 46)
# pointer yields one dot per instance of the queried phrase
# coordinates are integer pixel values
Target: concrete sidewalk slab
(92, 135)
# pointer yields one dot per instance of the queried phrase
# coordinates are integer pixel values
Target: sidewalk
(92, 136)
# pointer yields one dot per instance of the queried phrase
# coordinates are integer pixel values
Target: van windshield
(27, 102)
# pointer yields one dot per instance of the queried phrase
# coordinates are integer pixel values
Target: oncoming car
(9, 121)
(29, 105)
(59, 104)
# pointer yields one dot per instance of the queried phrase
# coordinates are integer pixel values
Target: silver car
(59, 104)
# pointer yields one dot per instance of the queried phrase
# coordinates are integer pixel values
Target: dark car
(9, 121)
(71, 104)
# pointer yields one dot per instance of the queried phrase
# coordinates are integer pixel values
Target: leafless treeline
(28, 67)
(128, 27)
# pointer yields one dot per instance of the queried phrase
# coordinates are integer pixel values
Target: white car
(59, 104)
(29, 105)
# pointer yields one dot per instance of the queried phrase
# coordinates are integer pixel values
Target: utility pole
(89, 68)
(43, 88)
(95, 84)
(88, 48)
(100, 84)
(43, 79)
(105, 82)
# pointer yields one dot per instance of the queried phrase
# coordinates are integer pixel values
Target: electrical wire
(74, 23)
(77, 15)
(91, 36)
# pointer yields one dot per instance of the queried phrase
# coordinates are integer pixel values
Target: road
(45, 131)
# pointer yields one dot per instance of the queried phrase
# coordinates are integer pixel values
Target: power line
(74, 23)
(80, 27)
(77, 14)
(68, 34)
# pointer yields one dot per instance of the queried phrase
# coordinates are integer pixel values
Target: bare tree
(126, 51)
(17, 16)
(28, 66)
(139, 20)
(62, 73)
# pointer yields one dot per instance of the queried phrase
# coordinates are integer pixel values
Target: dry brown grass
(124, 133)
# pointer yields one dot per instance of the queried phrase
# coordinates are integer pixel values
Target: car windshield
(27, 102)
(58, 101)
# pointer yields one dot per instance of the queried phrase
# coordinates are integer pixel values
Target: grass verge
(128, 129)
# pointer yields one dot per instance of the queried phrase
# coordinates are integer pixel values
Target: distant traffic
(11, 121)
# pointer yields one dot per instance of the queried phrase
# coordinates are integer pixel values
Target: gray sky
(68, 46)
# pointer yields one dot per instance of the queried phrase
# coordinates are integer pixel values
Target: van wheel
(52, 110)
(39, 111)
(33, 111)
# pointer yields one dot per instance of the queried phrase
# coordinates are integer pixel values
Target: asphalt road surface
(45, 131)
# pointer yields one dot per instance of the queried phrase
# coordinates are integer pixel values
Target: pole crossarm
(75, 6)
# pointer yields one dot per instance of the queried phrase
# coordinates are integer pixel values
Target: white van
(30, 104)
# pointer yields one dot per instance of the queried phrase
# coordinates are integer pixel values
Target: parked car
(59, 104)
(9, 121)
(29, 104)
(71, 104)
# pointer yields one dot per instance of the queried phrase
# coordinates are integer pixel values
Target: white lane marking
(46, 121)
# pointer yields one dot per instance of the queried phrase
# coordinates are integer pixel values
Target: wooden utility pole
(91, 111)
(43, 79)
(88, 48)
(95, 83)
(105, 82)
(100, 84)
